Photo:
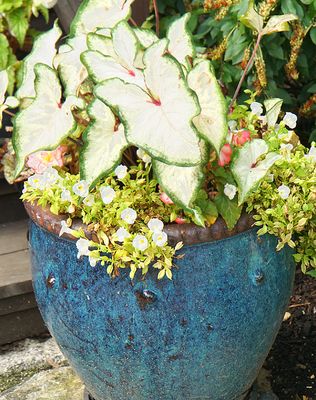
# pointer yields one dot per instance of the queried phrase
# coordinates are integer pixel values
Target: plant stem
(241, 81)
(156, 16)
(133, 22)
(9, 113)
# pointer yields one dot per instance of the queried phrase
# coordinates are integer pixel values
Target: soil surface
(292, 360)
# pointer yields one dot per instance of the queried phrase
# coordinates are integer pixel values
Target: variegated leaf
(158, 121)
(104, 143)
(180, 40)
(72, 71)
(273, 108)
(212, 121)
(43, 51)
(145, 37)
(102, 44)
(46, 122)
(249, 168)
(180, 183)
(4, 81)
(93, 14)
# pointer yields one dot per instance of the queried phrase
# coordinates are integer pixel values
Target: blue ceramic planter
(202, 336)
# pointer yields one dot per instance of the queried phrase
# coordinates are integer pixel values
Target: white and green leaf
(180, 40)
(4, 82)
(160, 120)
(251, 166)
(104, 143)
(102, 44)
(94, 14)
(43, 51)
(181, 184)
(46, 122)
(125, 44)
(145, 37)
(72, 71)
(212, 121)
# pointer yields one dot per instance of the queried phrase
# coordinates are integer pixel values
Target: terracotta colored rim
(187, 233)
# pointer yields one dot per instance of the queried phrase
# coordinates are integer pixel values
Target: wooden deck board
(13, 237)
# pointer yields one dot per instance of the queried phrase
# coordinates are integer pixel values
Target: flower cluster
(124, 214)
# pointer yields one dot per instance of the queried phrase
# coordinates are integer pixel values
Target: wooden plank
(13, 237)
(18, 303)
(15, 273)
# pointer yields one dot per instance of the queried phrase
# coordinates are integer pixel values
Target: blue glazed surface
(203, 336)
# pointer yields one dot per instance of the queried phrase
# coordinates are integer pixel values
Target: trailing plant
(120, 94)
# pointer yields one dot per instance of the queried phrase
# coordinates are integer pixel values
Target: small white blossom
(89, 200)
(65, 195)
(71, 209)
(121, 171)
(51, 176)
(92, 261)
(37, 181)
(286, 146)
(256, 108)
(232, 125)
(129, 215)
(230, 190)
(312, 153)
(122, 234)
(143, 156)
(81, 189)
(155, 225)
(270, 177)
(290, 120)
(65, 228)
(107, 194)
(140, 242)
(160, 238)
(83, 247)
(12, 102)
(284, 191)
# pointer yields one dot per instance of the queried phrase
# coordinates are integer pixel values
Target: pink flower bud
(165, 198)
(225, 155)
(41, 160)
(241, 137)
(180, 221)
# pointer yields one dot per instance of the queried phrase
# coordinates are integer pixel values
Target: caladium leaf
(181, 184)
(248, 170)
(119, 64)
(145, 37)
(180, 40)
(102, 44)
(72, 71)
(212, 121)
(43, 51)
(278, 23)
(104, 143)
(273, 108)
(46, 122)
(93, 14)
(4, 82)
(158, 121)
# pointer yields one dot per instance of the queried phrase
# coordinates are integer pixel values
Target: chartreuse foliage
(127, 91)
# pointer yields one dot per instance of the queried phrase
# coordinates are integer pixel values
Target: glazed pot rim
(187, 233)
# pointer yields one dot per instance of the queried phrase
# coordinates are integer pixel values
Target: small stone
(287, 316)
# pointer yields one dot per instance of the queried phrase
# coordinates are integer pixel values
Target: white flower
(12, 102)
(286, 146)
(140, 242)
(284, 191)
(121, 171)
(143, 156)
(44, 3)
(312, 153)
(65, 195)
(230, 191)
(107, 194)
(290, 120)
(37, 181)
(83, 247)
(71, 209)
(160, 238)
(122, 234)
(65, 228)
(270, 177)
(232, 125)
(81, 189)
(92, 261)
(51, 176)
(155, 225)
(256, 108)
(129, 215)
(89, 200)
